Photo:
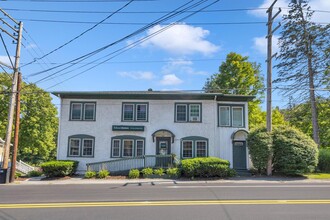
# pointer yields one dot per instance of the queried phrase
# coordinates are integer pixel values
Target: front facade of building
(103, 126)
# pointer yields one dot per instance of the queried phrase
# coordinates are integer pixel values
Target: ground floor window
(127, 146)
(194, 146)
(81, 146)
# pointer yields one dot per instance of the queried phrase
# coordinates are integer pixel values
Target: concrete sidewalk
(243, 179)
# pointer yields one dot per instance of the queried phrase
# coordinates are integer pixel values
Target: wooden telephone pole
(270, 56)
(18, 38)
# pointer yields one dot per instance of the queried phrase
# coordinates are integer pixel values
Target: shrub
(294, 152)
(173, 172)
(159, 172)
(134, 174)
(59, 168)
(102, 174)
(18, 175)
(324, 160)
(260, 145)
(34, 173)
(147, 172)
(205, 167)
(90, 174)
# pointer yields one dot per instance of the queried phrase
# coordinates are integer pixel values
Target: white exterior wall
(160, 116)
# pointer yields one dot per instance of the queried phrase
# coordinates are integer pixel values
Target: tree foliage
(238, 76)
(304, 56)
(299, 116)
(38, 123)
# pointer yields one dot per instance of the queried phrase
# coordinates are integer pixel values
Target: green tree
(299, 116)
(239, 76)
(304, 56)
(38, 124)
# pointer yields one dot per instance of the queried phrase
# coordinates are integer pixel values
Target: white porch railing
(23, 167)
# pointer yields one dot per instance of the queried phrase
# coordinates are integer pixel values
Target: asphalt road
(166, 200)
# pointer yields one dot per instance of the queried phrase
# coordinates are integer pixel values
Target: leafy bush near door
(205, 167)
(147, 172)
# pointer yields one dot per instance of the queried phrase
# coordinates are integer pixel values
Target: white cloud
(260, 44)
(170, 79)
(5, 60)
(181, 39)
(181, 66)
(323, 5)
(144, 75)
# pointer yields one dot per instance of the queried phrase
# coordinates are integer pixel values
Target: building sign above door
(127, 128)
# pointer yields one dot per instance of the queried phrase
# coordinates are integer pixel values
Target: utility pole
(17, 36)
(17, 120)
(270, 56)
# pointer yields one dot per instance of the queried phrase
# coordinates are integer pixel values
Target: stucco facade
(160, 122)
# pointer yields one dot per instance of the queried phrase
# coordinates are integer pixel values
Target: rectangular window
(76, 111)
(127, 148)
(74, 147)
(194, 112)
(139, 148)
(141, 112)
(128, 112)
(201, 149)
(187, 149)
(89, 111)
(224, 115)
(116, 148)
(181, 113)
(237, 113)
(87, 148)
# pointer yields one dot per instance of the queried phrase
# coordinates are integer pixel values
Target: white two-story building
(103, 126)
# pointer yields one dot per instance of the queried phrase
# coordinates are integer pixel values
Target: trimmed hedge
(260, 145)
(59, 168)
(205, 167)
(324, 160)
(295, 153)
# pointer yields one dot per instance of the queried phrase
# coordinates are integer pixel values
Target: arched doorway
(239, 149)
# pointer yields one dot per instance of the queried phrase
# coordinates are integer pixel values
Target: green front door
(239, 155)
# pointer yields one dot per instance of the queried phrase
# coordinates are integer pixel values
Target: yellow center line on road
(162, 203)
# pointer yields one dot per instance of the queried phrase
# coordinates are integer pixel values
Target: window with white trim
(82, 111)
(127, 146)
(231, 116)
(135, 112)
(194, 146)
(188, 112)
(81, 146)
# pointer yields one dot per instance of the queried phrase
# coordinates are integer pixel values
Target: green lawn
(318, 176)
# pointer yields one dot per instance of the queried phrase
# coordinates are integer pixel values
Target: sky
(125, 54)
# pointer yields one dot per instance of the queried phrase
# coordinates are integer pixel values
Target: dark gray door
(239, 155)
(163, 145)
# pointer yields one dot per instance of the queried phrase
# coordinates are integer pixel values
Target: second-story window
(188, 112)
(135, 112)
(82, 111)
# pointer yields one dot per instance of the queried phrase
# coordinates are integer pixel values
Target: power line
(81, 34)
(7, 52)
(75, 61)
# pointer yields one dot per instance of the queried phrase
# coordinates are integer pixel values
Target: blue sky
(181, 57)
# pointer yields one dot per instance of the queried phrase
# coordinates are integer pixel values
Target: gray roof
(150, 95)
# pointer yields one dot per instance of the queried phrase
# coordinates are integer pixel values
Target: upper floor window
(135, 112)
(81, 146)
(188, 112)
(194, 146)
(231, 115)
(82, 111)
(127, 146)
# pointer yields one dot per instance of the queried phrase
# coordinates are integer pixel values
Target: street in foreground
(166, 200)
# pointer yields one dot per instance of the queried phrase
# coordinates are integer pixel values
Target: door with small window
(163, 145)
(239, 155)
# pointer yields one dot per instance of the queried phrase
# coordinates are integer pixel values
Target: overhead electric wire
(6, 49)
(128, 47)
(81, 34)
(140, 30)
